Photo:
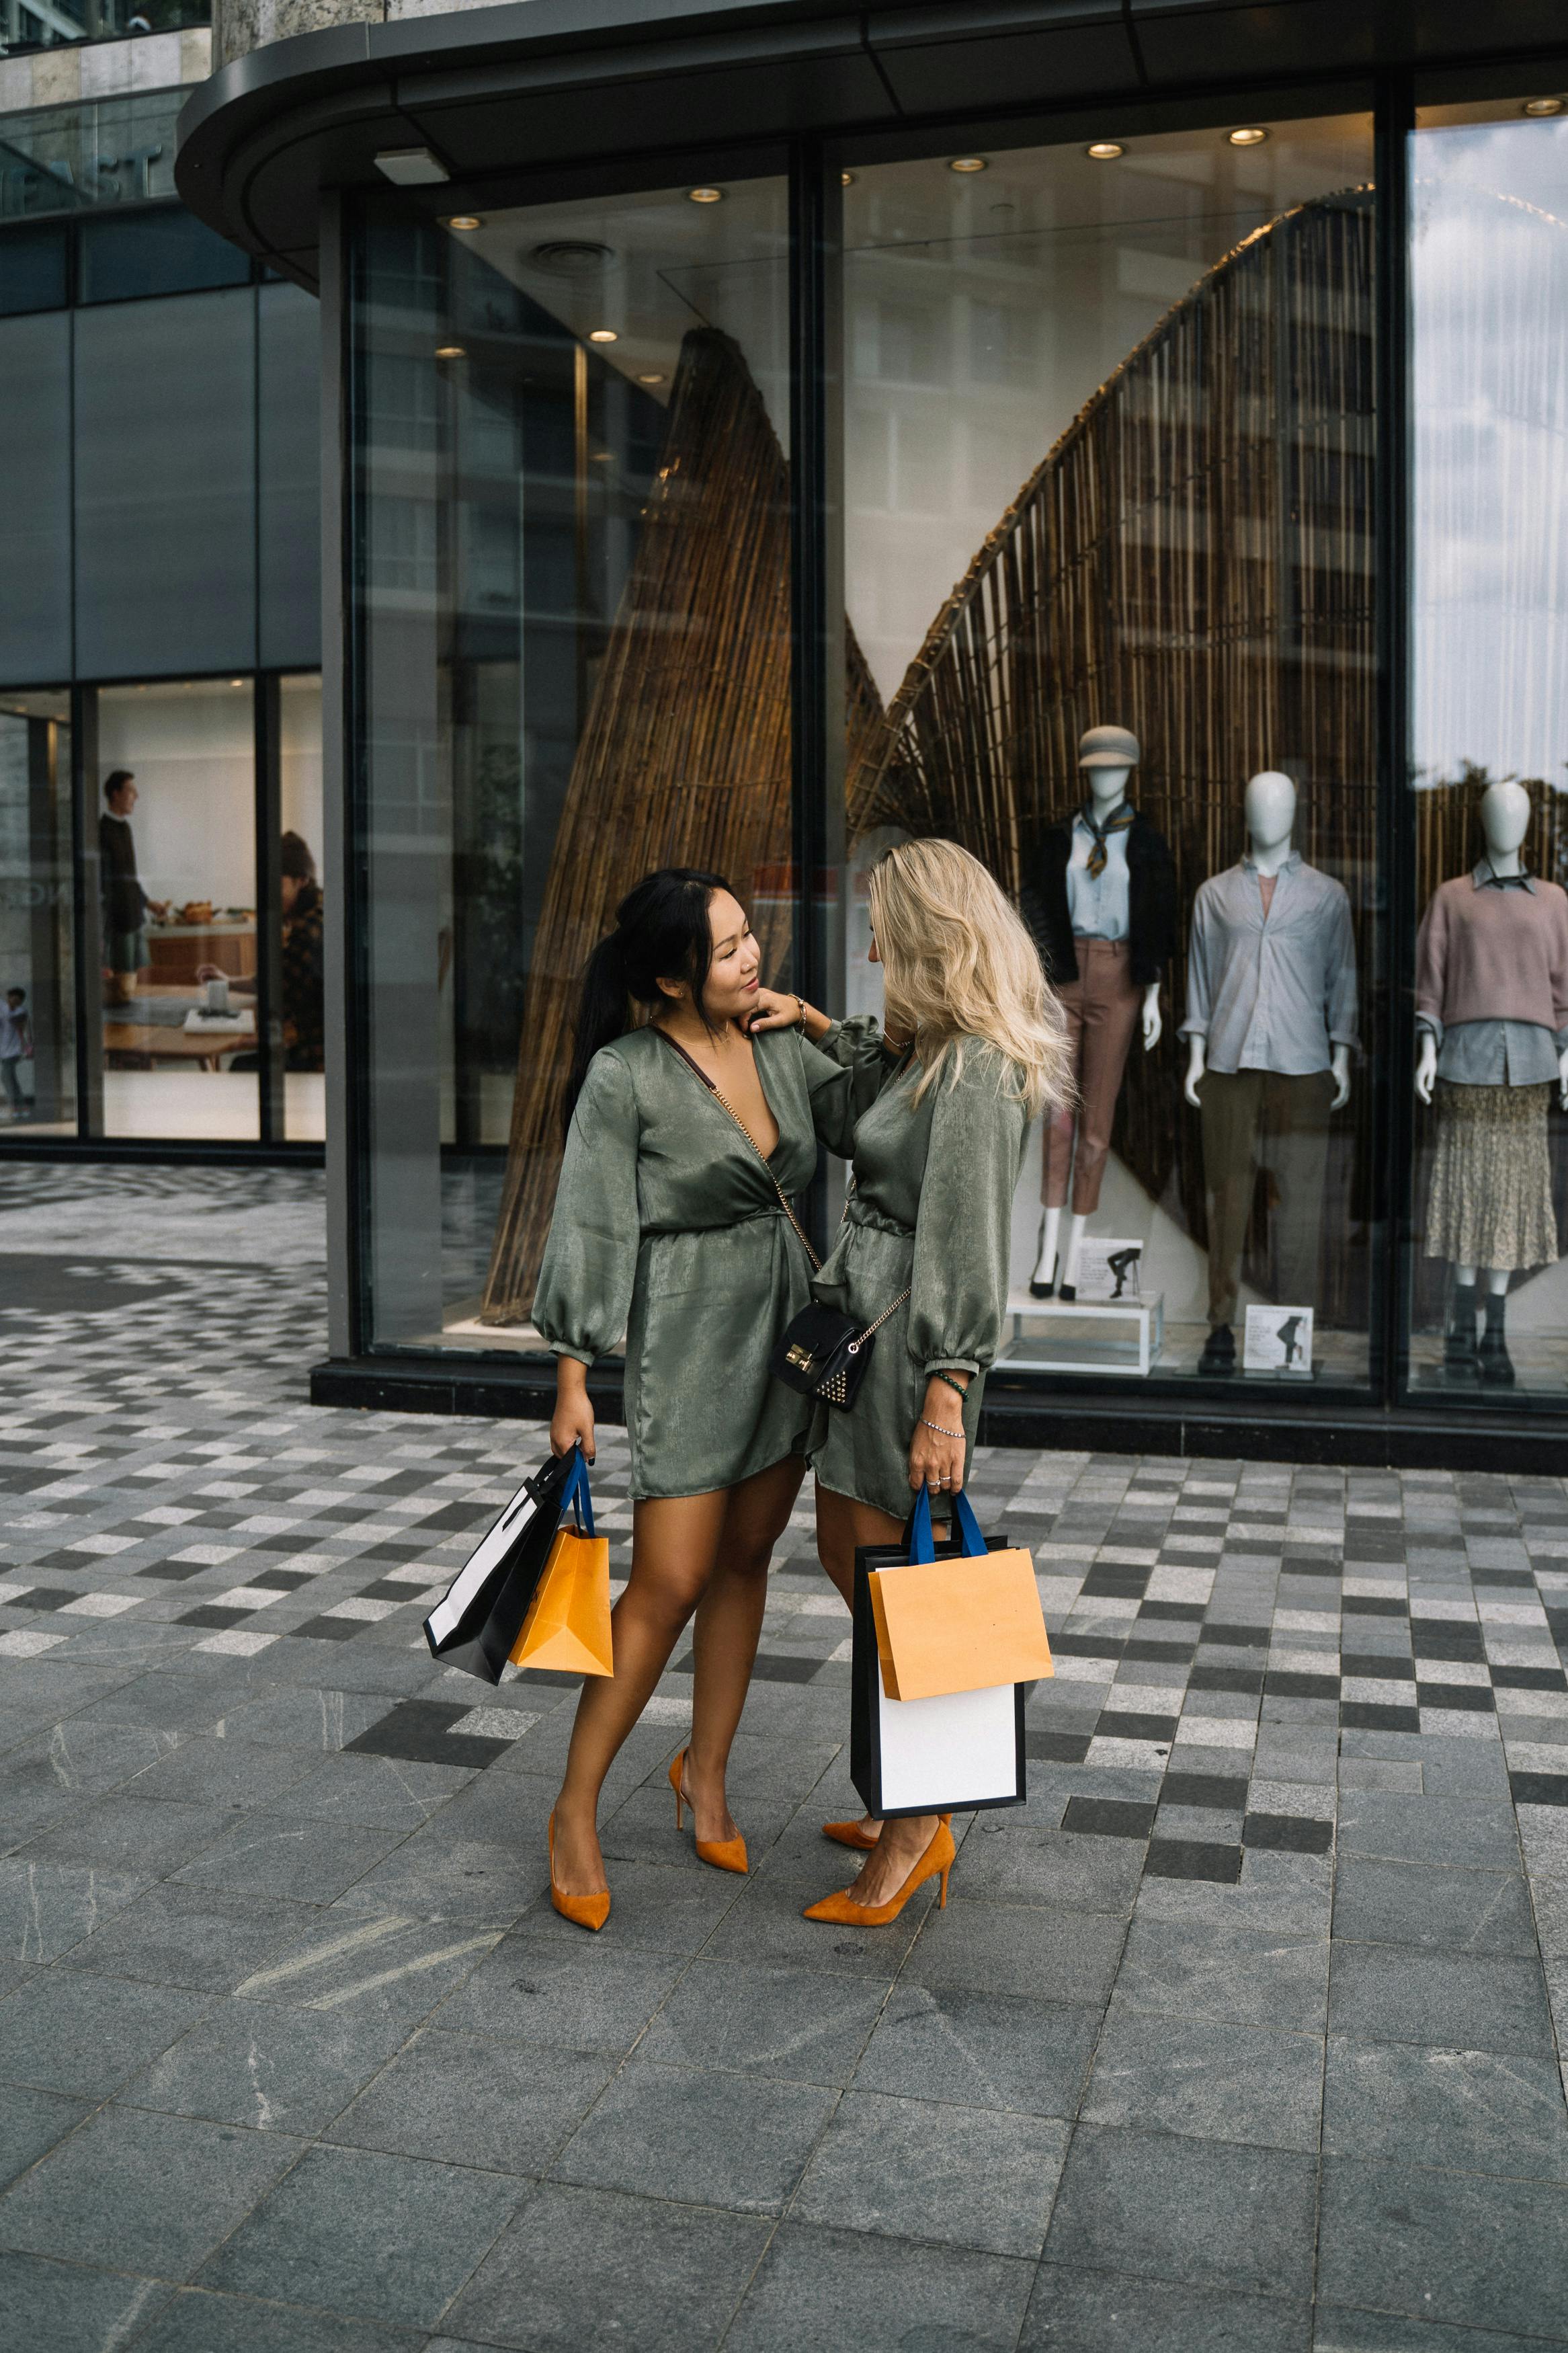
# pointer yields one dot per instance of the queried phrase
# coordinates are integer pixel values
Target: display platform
(1094, 1335)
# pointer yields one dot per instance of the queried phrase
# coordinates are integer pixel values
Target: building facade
(755, 433)
(159, 619)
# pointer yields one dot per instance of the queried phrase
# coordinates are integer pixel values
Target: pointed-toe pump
(582, 1911)
(724, 1854)
(936, 1862)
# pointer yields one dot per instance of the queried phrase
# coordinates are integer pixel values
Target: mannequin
(1491, 1009)
(1100, 901)
(1271, 1010)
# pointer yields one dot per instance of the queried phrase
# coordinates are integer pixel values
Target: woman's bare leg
(725, 1631)
(842, 1524)
(675, 1543)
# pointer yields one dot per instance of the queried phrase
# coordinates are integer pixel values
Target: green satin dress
(667, 1228)
(933, 1206)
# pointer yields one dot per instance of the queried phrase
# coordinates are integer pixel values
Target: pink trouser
(1101, 1006)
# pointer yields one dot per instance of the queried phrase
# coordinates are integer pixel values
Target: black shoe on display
(1041, 1290)
(1459, 1340)
(1496, 1364)
(1219, 1351)
(1068, 1291)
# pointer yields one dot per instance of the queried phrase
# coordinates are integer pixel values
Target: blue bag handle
(574, 1495)
(923, 1543)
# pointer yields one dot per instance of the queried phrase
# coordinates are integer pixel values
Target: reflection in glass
(177, 908)
(37, 1020)
(572, 663)
(1489, 283)
(1127, 407)
(302, 1009)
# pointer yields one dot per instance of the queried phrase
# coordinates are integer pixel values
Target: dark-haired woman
(686, 1135)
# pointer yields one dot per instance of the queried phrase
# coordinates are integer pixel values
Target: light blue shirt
(1097, 904)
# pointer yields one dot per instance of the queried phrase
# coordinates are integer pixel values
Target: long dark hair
(662, 933)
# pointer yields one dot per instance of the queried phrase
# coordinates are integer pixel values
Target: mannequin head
(1505, 818)
(1269, 809)
(1106, 758)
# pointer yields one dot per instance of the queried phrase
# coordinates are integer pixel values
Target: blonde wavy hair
(961, 968)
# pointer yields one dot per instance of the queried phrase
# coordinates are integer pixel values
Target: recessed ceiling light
(653, 377)
(463, 220)
(604, 457)
(1253, 135)
(847, 179)
(967, 164)
(411, 167)
(705, 195)
(450, 351)
(1105, 150)
(602, 335)
(1543, 106)
(237, 681)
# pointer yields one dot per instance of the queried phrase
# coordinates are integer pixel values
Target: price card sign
(1278, 1340)
(1109, 1270)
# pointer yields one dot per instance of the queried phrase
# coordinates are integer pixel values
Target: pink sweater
(1494, 955)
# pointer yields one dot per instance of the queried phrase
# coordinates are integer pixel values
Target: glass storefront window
(1123, 395)
(572, 663)
(302, 1009)
(176, 909)
(1489, 751)
(37, 985)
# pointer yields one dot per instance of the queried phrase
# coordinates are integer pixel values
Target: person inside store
(15, 1047)
(977, 1045)
(673, 1226)
(302, 977)
(126, 905)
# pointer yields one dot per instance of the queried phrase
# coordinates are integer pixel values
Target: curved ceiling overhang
(506, 95)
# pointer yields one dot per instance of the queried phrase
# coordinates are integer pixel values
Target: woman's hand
(936, 1456)
(777, 1010)
(571, 1423)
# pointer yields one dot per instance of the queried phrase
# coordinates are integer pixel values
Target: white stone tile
(661, 1710)
(1305, 1800)
(1541, 1704)
(1216, 1731)
(1374, 1692)
(495, 1723)
(1105, 1751)
(1451, 1612)
(1510, 1613)
(1306, 1622)
(1452, 1670)
(1458, 1724)
(237, 1642)
(1387, 1589)
(102, 1605)
(247, 1597)
(210, 1556)
(1084, 1670)
(370, 1611)
(26, 1642)
(1181, 1585)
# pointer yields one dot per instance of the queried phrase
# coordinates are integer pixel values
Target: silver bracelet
(941, 1428)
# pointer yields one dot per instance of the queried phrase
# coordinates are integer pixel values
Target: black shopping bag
(960, 1753)
(496, 1583)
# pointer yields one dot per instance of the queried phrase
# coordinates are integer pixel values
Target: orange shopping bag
(568, 1623)
(968, 1621)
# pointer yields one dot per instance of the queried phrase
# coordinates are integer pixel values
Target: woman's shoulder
(611, 1077)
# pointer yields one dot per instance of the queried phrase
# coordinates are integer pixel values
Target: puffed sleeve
(964, 1228)
(845, 1072)
(584, 1292)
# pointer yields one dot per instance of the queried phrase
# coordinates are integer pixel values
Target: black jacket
(1151, 902)
(124, 901)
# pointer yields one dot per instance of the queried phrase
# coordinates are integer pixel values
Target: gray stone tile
(380, 2237)
(1192, 2211)
(142, 2192)
(1475, 1834)
(53, 2307)
(444, 1879)
(1075, 2311)
(794, 2023)
(313, 1718)
(234, 1773)
(735, 2141)
(1217, 2082)
(581, 2267)
(821, 2287)
(199, 2322)
(764, 1925)
(126, 1833)
(66, 2032)
(192, 1937)
(660, 1907)
(1341, 2331)
(1005, 1863)
(1066, 1956)
(562, 1989)
(31, 2122)
(1479, 2110)
(473, 2102)
(270, 1854)
(46, 1909)
(1383, 1993)
(920, 2169)
(1448, 2247)
(1247, 1977)
(981, 2050)
(381, 1792)
(1434, 1908)
(386, 1966)
(277, 2070)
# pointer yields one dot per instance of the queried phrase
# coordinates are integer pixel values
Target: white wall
(192, 749)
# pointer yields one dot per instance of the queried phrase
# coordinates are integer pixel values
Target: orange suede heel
(724, 1854)
(856, 1835)
(937, 1860)
(582, 1911)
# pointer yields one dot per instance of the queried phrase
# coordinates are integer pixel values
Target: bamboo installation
(1193, 559)
(685, 757)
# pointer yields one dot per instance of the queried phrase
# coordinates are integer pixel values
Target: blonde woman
(936, 1162)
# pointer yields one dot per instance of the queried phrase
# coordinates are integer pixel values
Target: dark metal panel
(269, 806)
(345, 1125)
(34, 507)
(288, 479)
(935, 60)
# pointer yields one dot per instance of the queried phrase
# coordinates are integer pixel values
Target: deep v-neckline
(711, 1086)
